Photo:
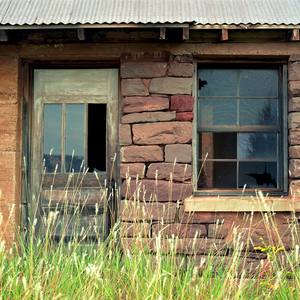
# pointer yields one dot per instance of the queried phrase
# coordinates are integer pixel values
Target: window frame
(281, 66)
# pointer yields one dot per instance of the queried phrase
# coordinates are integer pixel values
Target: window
(240, 130)
(74, 137)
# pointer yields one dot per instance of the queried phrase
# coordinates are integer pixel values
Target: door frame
(28, 66)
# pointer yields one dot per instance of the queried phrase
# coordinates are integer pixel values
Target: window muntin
(239, 129)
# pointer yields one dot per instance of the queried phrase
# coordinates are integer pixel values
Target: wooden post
(185, 33)
(295, 35)
(224, 35)
(3, 36)
(162, 33)
(81, 34)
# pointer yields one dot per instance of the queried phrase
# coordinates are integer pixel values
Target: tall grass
(43, 267)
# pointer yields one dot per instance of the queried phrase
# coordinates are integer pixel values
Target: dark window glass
(219, 82)
(258, 174)
(217, 175)
(97, 137)
(52, 137)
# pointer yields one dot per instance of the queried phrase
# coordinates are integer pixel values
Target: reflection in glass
(52, 137)
(257, 145)
(218, 82)
(217, 175)
(217, 112)
(258, 83)
(74, 153)
(258, 174)
(258, 112)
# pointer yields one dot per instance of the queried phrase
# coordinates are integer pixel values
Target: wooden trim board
(241, 204)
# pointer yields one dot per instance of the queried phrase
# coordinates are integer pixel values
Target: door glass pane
(258, 83)
(52, 137)
(258, 174)
(218, 82)
(215, 112)
(257, 145)
(74, 153)
(258, 112)
(217, 175)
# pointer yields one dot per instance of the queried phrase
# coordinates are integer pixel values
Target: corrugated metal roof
(46, 12)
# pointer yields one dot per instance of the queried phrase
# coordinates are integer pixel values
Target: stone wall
(156, 164)
(9, 148)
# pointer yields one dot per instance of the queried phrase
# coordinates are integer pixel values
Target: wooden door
(73, 150)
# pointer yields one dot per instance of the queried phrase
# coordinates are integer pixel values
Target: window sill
(241, 204)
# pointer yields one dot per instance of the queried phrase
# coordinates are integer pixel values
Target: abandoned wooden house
(172, 114)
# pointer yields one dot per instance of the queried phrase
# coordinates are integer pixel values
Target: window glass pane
(217, 112)
(257, 145)
(52, 137)
(219, 145)
(225, 145)
(258, 112)
(74, 153)
(217, 175)
(258, 174)
(218, 82)
(259, 83)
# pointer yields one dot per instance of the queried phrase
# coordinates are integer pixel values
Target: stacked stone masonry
(156, 164)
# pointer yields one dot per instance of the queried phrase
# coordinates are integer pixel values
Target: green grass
(42, 269)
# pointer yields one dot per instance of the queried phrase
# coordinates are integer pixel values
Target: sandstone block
(184, 58)
(294, 88)
(177, 172)
(134, 87)
(125, 135)
(192, 246)
(294, 104)
(143, 69)
(185, 116)
(218, 231)
(181, 69)
(294, 152)
(294, 137)
(9, 75)
(294, 168)
(171, 85)
(134, 211)
(294, 120)
(132, 170)
(8, 141)
(182, 103)
(179, 230)
(162, 133)
(180, 153)
(156, 190)
(140, 104)
(149, 117)
(295, 187)
(141, 154)
(9, 98)
(294, 71)
(8, 117)
(142, 229)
